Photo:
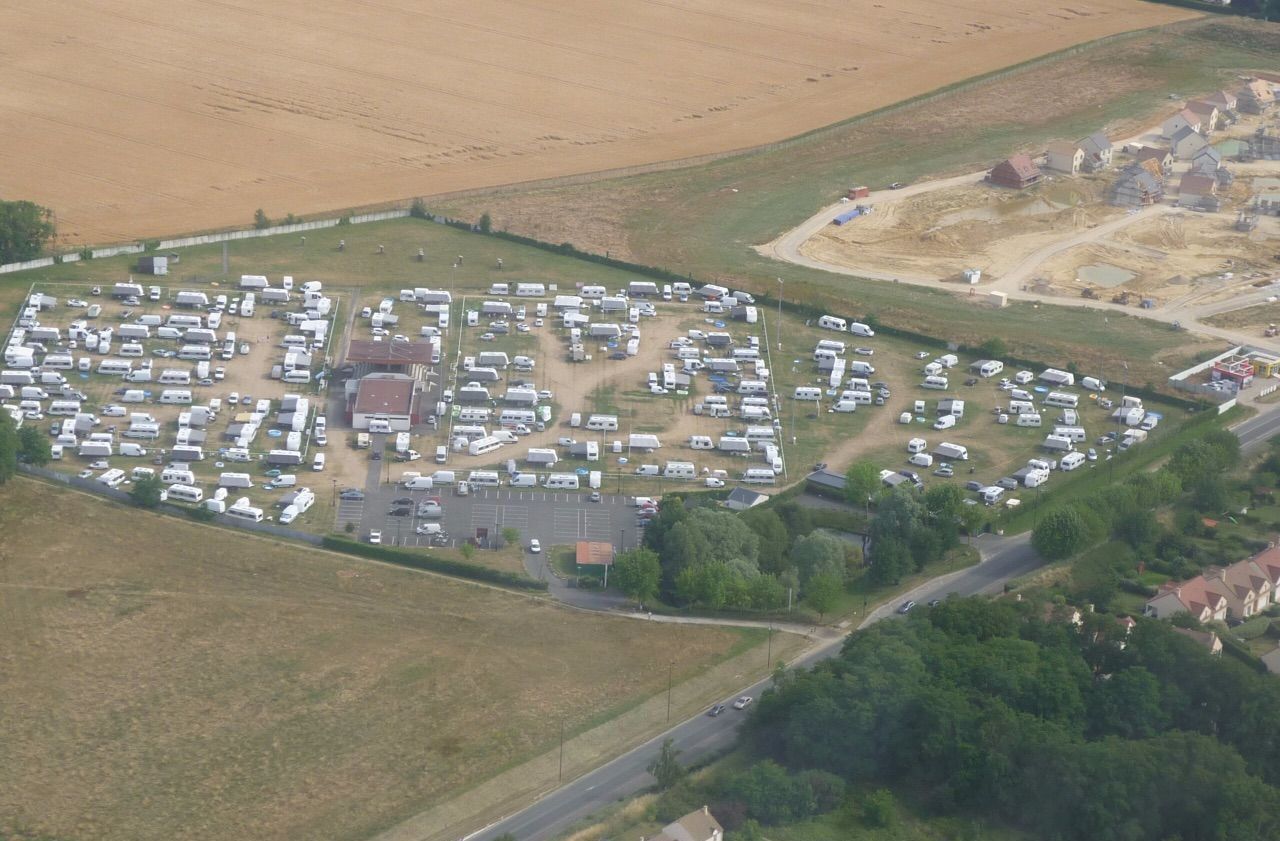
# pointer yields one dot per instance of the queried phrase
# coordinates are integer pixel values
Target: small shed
(855, 193)
(740, 499)
(1016, 173)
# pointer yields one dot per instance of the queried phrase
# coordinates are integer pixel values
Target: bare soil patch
(302, 107)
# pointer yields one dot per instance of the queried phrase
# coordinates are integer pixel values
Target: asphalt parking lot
(554, 518)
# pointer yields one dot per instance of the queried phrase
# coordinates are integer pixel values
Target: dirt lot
(233, 107)
(169, 680)
(939, 234)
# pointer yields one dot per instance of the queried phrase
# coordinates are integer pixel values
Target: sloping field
(164, 680)
(139, 117)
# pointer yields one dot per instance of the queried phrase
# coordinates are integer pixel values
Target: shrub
(423, 561)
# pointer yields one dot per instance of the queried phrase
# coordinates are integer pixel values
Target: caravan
(807, 393)
(831, 322)
(759, 476)
(561, 481)
(679, 470)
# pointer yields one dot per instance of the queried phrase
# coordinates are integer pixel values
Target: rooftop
(384, 396)
(389, 353)
(593, 553)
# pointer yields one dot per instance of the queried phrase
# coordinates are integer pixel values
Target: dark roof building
(1017, 173)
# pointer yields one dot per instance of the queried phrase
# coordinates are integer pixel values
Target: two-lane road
(702, 737)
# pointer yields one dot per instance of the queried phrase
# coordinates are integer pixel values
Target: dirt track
(147, 117)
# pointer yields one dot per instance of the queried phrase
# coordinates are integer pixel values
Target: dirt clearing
(147, 117)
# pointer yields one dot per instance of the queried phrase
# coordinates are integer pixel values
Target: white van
(419, 483)
(945, 422)
(859, 329)
(128, 448)
(920, 460)
(443, 477)
(524, 480)
(318, 462)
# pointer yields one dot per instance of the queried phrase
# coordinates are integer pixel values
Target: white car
(76, 302)
(153, 294)
(742, 703)
(713, 482)
(534, 547)
(375, 537)
(98, 465)
(545, 395)
(233, 398)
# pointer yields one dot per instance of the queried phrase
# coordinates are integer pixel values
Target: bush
(880, 809)
(415, 560)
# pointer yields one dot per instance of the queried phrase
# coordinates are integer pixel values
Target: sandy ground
(146, 117)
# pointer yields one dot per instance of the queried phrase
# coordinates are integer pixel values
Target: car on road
(864, 351)
(906, 606)
(375, 537)
(713, 482)
(935, 602)
(376, 455)
(537, 322)
(716, 710)
(153, 293)
(897, 185)
(545, 395)
(321, 438)
(534, 547)
(743, 702)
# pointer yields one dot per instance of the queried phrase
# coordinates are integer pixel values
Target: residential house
(1097, 152)
(700, 825)
(1224, 101)
(1268, 203)
(1064, 156)
(1185, 142)
(1256, 97)
(1163, 157)
(1193, 596)
(1207, 112)
(1238, 591)
(1194, 189)
(1207, 161)
(1208, 639)
(1137, 186)
(1179, 121)
(740, 499)
(1017, 173)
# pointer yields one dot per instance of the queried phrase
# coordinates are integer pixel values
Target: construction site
(1147, 228)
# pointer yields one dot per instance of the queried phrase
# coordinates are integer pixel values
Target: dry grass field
(140, 117)
(166, 680)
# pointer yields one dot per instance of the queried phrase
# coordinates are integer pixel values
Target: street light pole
(669, 664)
(778, 327)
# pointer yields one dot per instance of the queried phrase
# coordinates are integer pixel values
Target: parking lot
(552, 518)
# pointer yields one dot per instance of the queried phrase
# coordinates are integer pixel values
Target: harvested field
(167, 680)
(146, 117)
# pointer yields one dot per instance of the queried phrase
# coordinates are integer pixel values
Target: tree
(1060, 534)
(485, 223)
(468, 550)
(823, 592)
(260, 219)
(8, 447)
(861, 481)
(33, 446)
(25, 228)
(666, 768)
(638, 574)
(145, 492)
(890, 561)
(510, 535)
(774, 539)
(879, 809)
(993, 348)
(817, 555)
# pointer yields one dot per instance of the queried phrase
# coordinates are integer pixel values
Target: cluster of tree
(25, 229)
(984, 709)
(911, 530)
(28, 444)
(1125, 514)
(765, 793)
(715, 559)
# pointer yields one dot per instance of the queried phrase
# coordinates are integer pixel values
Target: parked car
(400, 512)
(85, 474)
(743, 702)
(972, 485)
(864, 351)
(897, 185)
(404, 500)
(945, 471)
(1008, 483)
(595, 496)
(375, 537)
(713, 482)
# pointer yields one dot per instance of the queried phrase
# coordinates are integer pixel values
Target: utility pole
(778, 327)
(560, 773)
(769, 657)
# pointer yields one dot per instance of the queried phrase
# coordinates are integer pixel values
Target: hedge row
(417, 560)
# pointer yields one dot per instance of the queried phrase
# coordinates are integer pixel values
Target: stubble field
(166, 680)
(145, 117)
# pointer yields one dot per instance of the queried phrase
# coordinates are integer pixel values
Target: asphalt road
(1257, 430)
(701, 737)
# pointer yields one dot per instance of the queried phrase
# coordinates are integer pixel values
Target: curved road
(701, 737)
